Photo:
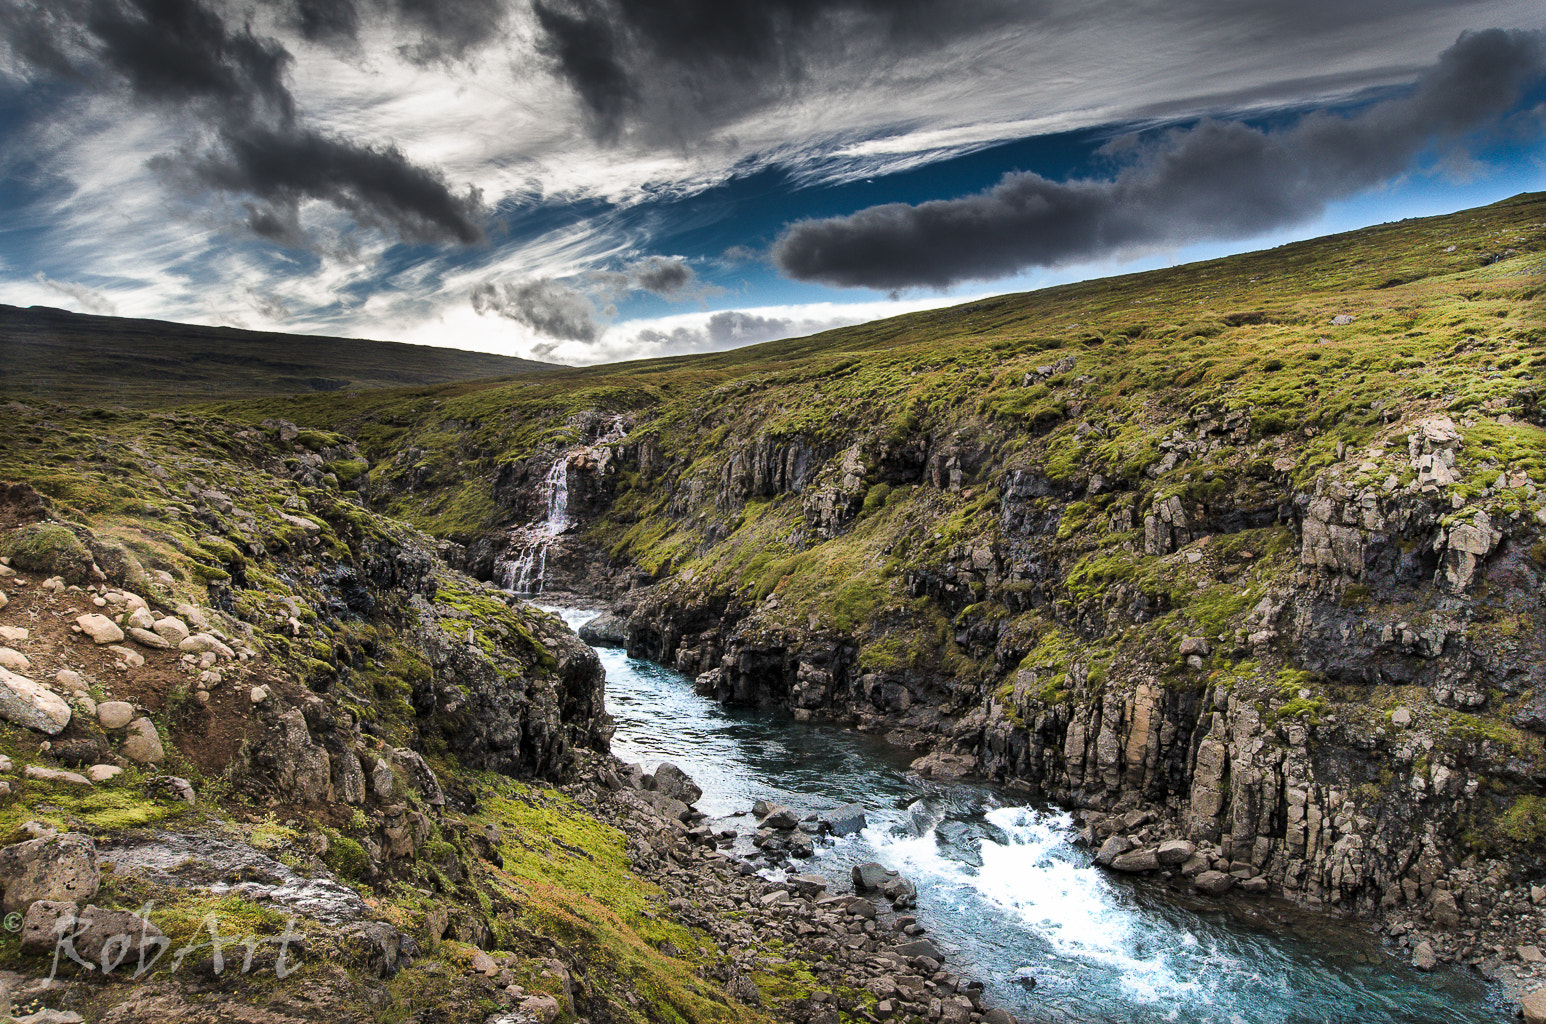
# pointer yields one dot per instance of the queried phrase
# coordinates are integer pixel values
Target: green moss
(1524, 821)
(49, 548)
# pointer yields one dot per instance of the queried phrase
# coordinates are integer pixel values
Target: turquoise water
(1003, 889)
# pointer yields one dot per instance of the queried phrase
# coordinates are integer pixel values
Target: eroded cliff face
(1325, 674)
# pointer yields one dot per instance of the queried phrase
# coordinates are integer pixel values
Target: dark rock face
(605, 630)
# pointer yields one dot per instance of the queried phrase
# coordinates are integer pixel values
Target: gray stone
(381, 779)
(174, 631)
(140, 618)
(1136, 861)
(1533, 1007)
(943, 765)
(31, 704)
(1174, 851)
(420, 777)
(675, 783)
(99, 773)
(1213, 883)
(606, 630)
(146, 638)
(115, 938)
(781, 818)
(349, 778)
(128, 656)
(1401, 718)
(1114, 847)
(863, 909)
(142, 744)
(743, 989)
(846, 820)
(115, 714)
(100, 628)
(41, 774)
(199, 643)
(62, 868)
(810, 886)
(45, 924)
(871, 876)
(920, 947)
(14, 660)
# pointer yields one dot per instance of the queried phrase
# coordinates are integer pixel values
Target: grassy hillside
(78, 359)
(1445, 310)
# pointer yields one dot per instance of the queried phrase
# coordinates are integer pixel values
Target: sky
(594, 180)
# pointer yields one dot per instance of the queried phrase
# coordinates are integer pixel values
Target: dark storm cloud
(376, 186)
(696, 58)
(1216, 180)
(441, 29)
(180, 51)
(225, 88)
(664, 276)
(546, 306)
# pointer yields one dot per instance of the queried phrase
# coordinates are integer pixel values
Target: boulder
(1533, 1007)
(115, 714)
(920, 947)
(742, 989)
(62, 868)
(42, 774)
(100, 628)
(846, 820)
(781, 818)
(14, 660)
(1423, 957)
(115, 938)
(677, 784)
(142, 744)
(45, 923)
(1213, 883)
(32, 705)
(941, 765)
(174, 631)
(809, 886)
(140, 618)
(1136, 861)
(1114, 847)
(99, 773)
(606, 630)
(871, 876)
(145, 638)
(1174, 851)
(199, 643)
(420, 777)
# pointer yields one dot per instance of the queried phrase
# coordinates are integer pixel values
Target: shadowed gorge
(1239, 563)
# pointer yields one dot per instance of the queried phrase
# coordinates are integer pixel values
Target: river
(1003, 889)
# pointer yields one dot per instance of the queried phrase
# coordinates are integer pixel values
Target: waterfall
(524, 570)
(558, 497)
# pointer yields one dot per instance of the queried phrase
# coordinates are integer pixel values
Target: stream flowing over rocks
(925, 888)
